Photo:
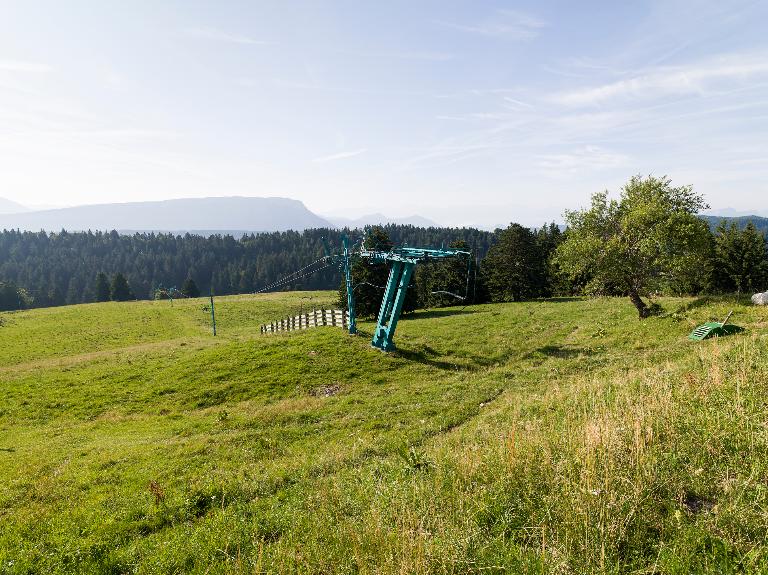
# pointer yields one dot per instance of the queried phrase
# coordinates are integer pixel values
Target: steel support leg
(392, 305)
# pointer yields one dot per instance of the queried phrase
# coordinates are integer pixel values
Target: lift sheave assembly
(401, 261)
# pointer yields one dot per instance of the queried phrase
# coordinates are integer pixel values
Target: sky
(469, 113)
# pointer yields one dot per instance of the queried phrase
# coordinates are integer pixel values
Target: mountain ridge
(251, 214)
(760, 222)
(10, 207)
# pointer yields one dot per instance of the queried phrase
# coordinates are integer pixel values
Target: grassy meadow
(555, 436)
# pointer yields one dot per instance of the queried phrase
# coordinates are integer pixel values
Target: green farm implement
(715, 329)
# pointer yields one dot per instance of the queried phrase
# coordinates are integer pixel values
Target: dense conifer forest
(50, 269)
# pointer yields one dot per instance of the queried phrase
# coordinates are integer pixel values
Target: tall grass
(546, 437)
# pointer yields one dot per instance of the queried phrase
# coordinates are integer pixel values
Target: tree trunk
(642, 309)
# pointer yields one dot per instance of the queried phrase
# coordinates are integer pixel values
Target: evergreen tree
(102, 287)
(190, 289)
(739, 261)
(553, 282)
(10, 298)
(120, 290)
(514, 268)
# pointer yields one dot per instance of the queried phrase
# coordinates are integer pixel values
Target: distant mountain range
(233, 215)
(224, 214)
(9, 207)
(759, 222)
(202, 216)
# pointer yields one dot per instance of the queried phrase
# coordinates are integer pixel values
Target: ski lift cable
(292, 279)
(295, 275)
(287, 277)
(466, 289)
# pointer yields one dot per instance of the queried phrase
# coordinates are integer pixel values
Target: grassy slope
(559, 436)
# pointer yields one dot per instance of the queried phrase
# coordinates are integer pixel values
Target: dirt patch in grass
(326, 390)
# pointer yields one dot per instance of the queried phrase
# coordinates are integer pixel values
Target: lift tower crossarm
(410, 255)
(403, 260)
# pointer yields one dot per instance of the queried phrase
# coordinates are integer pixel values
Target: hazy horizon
(474, 113)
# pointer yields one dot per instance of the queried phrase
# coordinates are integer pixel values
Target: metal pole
(350, 293)
(213, 315)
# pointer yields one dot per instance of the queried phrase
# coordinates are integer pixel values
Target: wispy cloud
(427, 56)
(222, 36)
(504, 23)
(670, 80)
(339, 156)
(22, 66)
(586, 158)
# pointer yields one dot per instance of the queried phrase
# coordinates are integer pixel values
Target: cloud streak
(670, 81)
(339, 156)
(22, 66)
(216, 35)
(505, 23)
(586, 158)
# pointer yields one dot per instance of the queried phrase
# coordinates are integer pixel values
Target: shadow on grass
(560, 352)
(433, 313)
(705, 300)
(428, 356)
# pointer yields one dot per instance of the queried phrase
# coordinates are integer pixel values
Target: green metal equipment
(715, 329)
(402, 261)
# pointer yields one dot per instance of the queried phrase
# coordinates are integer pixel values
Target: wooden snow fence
(314, 318)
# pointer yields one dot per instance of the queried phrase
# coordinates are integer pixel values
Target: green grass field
(558, 436)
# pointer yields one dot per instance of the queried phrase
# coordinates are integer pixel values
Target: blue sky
(466, 112)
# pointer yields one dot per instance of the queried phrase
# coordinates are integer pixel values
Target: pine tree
(739, 259)
(514, 268)
(9, 297)
(102, 287)
(190, 289)
(120, 290)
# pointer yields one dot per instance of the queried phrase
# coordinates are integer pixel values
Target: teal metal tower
(402, 263)
(345, 258)
(347, 254)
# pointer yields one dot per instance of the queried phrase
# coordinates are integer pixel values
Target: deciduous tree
(637, 243)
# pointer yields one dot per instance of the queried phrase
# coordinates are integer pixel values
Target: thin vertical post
(348, 279)
(213, 314)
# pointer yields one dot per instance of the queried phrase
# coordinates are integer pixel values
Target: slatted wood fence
(314, 318)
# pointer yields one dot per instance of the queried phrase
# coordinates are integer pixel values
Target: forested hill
(741, 222)
(60, 268)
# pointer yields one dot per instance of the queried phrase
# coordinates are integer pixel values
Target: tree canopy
(120, 290)
(636, 244)
(739, 259)
(190, 289)
(102, 289)
(516, 267)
